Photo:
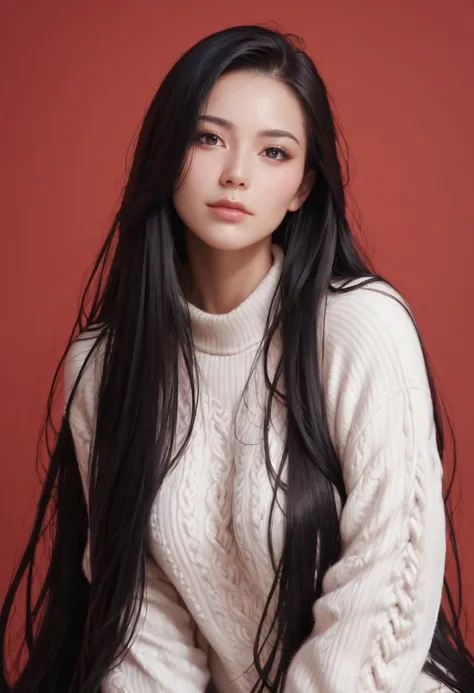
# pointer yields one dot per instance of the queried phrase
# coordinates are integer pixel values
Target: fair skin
(233, 159)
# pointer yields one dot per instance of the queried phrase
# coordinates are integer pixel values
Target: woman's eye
(207, 138)
(211, 139)
(275, 151)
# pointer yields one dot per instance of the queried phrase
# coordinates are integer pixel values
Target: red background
(76, 80)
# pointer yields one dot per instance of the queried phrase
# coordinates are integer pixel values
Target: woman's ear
(303, 191)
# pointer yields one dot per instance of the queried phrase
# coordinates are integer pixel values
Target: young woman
(245, 491)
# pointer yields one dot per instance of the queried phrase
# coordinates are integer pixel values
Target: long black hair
(74, 628)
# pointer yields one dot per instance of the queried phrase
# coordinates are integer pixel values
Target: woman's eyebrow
(263, 133)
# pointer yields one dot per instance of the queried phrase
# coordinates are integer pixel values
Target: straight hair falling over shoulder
(137, 325)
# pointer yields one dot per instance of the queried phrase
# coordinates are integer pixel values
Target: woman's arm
(163, 655)
(375, 620)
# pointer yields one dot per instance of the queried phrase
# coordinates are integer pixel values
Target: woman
(259, 504)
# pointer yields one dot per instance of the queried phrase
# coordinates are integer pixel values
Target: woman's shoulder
(368, 295)
(82, 350)
(83, 364)
(371, 350)
(370, 319)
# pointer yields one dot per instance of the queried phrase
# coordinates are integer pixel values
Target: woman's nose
(235, 175)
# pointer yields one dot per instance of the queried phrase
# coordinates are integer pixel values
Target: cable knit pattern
(209, 570)
(394, 635)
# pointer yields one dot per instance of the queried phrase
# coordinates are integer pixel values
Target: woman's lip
(226, 206)
(228, 213)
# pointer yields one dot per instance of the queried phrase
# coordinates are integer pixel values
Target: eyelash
(280, 150)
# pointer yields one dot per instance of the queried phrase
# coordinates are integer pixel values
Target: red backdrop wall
(76, 79)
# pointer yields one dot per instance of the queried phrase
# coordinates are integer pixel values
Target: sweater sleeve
(375, 619)
(164, 656)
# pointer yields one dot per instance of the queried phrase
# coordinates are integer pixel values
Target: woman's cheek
(281, 193)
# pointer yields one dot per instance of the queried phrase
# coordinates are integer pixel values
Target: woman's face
(233, 158)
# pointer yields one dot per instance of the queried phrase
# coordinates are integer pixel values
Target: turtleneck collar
(231, 333)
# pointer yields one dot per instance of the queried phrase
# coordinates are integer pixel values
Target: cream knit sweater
(209, 570)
